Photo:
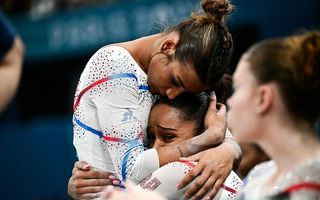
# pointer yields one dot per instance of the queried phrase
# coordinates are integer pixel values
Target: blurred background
(36, 148)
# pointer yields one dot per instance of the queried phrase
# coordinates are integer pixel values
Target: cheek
(157, 73)
(240, 117)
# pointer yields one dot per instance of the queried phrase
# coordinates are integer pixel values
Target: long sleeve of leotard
(111, 109)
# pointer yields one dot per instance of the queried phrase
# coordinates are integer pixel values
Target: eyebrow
(180, 82)
(166, 128)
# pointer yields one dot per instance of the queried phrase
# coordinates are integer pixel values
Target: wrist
(234, 150)
(213, 136)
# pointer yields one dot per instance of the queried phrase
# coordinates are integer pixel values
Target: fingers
(196, 191)
(88, 184)
(216, 114)
(194, 157)
(213, 102)
(81, 192)
(92, 183)
(80, 165)
(79, 187)
(207, 181)
(222, 109)
(215, 188)
(91, 174)
(204, 190)
(190, 176)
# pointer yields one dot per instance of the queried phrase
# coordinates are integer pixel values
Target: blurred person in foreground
(275, 104)
(11, 61)
(252, 155)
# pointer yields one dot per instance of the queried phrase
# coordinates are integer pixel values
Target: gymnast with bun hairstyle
(117, 89)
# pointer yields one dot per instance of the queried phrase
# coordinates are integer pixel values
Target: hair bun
(311, 65)
(217, 8)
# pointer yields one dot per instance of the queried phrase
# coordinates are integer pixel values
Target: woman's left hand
(213, 168)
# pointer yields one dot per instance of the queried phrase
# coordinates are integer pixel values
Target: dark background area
(60, 36)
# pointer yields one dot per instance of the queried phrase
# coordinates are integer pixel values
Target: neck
(143, 48)
(290, 146)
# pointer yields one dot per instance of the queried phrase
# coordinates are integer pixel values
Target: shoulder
(259, 174)
(110, 60)
(303, 182)
(113, 56)
(254, 182)
(261, 169)
(113, 52)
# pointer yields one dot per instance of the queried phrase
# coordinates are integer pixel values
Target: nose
(174, 92)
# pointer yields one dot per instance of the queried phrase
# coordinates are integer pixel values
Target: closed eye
(175, 82)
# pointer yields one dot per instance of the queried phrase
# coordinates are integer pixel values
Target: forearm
(210, 138)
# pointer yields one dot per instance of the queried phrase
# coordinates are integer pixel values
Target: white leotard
(111, 109)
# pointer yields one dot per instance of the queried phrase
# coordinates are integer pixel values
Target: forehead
(169, 118)
(165, 114)
(188, 76)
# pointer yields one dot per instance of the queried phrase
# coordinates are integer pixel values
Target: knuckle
(199, 195)
(95, 182)
(198, 184)
(190, 175)
(76, 184)
(95, 173)
(77, 174)
(206, 187)
(215, 188)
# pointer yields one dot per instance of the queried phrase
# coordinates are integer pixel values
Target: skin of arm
(10, 72)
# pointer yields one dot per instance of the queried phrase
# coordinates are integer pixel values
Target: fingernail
(86, 166)
(112, 177)
(115, 182)
(122, 185)
(183, 159)
(179, 186)
(212, 93)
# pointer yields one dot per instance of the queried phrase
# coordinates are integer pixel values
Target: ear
(168, 45)
(265, 99)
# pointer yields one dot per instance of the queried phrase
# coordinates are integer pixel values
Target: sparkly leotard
(111, 109)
